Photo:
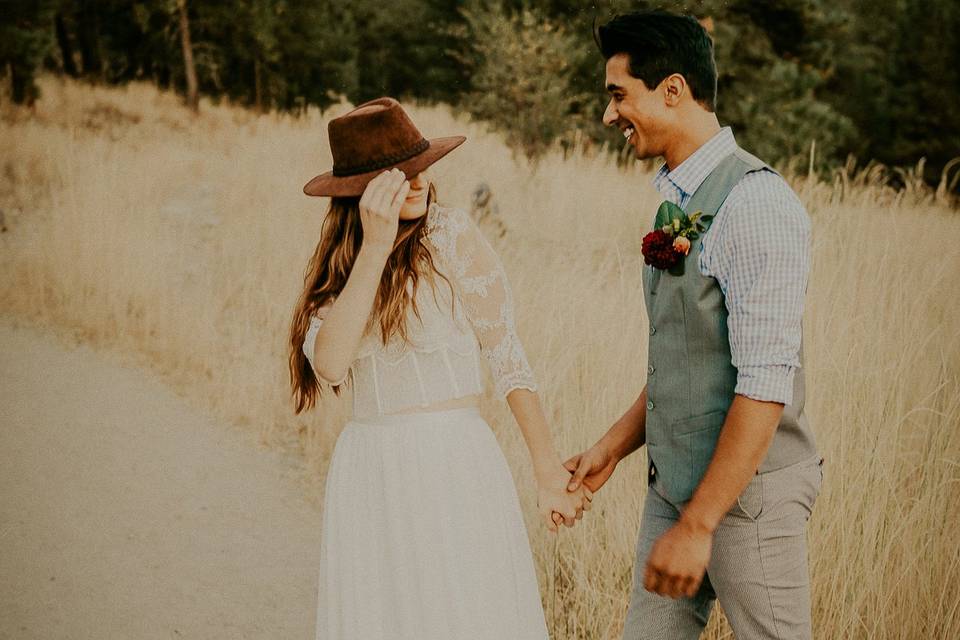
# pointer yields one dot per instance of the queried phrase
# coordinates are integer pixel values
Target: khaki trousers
(758, 566)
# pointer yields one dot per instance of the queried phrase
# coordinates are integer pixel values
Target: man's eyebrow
(613, 87)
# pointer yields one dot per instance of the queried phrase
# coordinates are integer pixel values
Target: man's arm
(743, 443)
(594, 466)
(629, 433)
(762, 263)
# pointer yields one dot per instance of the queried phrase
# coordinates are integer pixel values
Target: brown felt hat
(376, 136)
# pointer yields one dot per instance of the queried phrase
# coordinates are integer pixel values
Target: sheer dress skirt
(423, 536)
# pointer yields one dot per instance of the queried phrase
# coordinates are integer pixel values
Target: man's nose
(610, 114)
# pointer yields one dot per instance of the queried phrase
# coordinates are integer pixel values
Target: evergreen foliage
(876, 78)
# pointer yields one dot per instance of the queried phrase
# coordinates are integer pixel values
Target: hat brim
(327, 184)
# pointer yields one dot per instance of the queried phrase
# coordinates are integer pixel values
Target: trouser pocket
(750, 501)
(798, 483)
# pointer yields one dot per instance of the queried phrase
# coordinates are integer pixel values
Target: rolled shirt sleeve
(760, 255)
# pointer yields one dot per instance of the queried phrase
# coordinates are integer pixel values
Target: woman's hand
(380, 207)
(338, 339)
(556, 504)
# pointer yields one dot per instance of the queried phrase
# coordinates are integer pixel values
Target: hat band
(341, 171)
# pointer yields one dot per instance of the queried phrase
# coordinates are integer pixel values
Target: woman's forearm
(526, 409)
(339, 336)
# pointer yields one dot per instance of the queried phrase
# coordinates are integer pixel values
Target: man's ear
(674, 87)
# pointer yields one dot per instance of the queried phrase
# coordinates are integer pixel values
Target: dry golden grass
(184, 240)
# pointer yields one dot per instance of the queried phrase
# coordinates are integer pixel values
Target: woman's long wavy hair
(341, 237)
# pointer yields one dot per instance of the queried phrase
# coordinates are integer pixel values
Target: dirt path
(126, 514)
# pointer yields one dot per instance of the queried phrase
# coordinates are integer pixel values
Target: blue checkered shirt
(758, 249)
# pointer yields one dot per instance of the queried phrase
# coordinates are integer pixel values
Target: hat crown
(375, 135)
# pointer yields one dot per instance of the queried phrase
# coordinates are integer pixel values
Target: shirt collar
(691, 173)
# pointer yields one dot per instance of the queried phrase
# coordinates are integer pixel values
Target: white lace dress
(423, 537)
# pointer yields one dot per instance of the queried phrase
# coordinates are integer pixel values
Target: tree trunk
(22, 88)
(89, 40)
(66, 50)
(193, 99)
(257, 86)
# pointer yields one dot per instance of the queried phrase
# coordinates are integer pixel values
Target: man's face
(638, 112)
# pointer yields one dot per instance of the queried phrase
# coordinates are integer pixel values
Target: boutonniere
(669, 242)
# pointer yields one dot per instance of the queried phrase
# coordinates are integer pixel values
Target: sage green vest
(690, 376)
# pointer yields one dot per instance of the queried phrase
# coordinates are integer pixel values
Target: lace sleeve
(477, 275)
(310, 339)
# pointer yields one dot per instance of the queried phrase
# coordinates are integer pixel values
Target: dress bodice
(440, 359)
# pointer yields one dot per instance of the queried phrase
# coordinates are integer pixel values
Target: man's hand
(678, 561)
(592, 468)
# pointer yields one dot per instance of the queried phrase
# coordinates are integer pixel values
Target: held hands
(566, 493)
(558, 505)
(380, 207)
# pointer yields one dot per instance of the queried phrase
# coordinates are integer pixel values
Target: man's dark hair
(658, 44)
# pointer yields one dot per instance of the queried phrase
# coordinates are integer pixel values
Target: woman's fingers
(558, 513)
(381, 191)
(372, 188)
(551, 519)
(392, 185)
(544, 510)
(392, 194)
(585, 503)
(378, 214)
(563, 508)
(399, 197)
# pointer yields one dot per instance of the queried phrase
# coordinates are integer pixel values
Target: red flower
(658, 250)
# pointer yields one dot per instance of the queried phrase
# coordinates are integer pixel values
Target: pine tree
(26, 36)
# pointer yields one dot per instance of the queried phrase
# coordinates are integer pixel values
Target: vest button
(653, 329)
(650, 369)
(649, 405)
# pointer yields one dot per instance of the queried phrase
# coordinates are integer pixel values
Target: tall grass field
(183, 239)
